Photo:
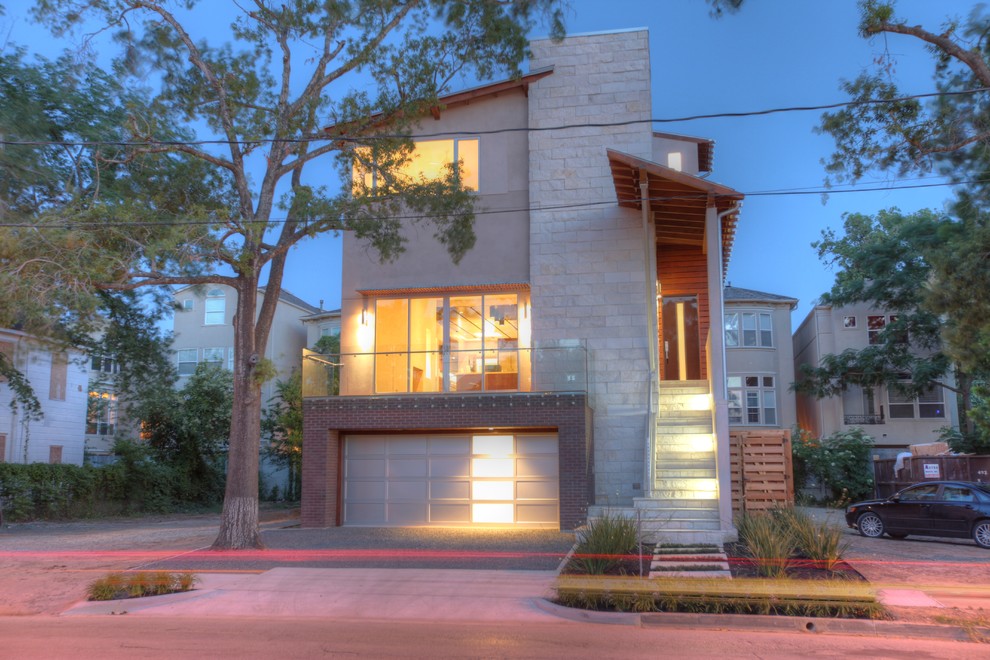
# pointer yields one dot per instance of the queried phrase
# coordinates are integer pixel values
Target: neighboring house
(759, 358)
(523, 386)
(58, 378)
(891, 418)
(203, 331)
(321, 324)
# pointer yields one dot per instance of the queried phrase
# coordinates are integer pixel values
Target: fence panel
(761, 471)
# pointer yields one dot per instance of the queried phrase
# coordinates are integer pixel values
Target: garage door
(451, 480)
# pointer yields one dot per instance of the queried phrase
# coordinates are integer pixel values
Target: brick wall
(326, 422)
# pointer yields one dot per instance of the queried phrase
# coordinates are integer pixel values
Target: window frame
(933, 398)
(179, 361)
(755, 394)
(760, 330)
(215, 296)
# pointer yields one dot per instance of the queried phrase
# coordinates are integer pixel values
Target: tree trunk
(239, 519)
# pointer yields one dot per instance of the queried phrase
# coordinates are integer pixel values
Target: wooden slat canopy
(678, 201)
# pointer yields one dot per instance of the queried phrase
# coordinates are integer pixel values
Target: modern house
(759, 359)
(891, 418)
(203, 331)
(58, 377)
(567, 365)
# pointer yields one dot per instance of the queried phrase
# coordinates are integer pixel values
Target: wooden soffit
(678, 201)
(446, 290)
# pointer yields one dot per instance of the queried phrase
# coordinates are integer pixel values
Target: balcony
(562, 368)
(862, 420)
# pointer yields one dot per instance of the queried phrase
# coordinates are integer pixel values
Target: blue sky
(772, 54)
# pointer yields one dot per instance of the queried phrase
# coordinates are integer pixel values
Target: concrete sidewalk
(351, 593)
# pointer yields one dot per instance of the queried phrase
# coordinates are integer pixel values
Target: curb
(758, 623)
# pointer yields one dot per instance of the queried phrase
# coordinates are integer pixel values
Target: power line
(76, 224)
(257, 141)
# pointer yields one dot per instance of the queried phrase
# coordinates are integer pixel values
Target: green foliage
(841, 462)
(187, 430)
(739, 596)
(768, 540)
(605, 542)
(137, 585)
(822, 543)
(282, 427)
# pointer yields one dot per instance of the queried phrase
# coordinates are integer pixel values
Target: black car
(958, 509)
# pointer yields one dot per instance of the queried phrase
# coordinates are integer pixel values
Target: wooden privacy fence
(762, 475)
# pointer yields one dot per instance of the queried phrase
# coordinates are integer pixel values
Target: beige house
(58, 377)
(324, 323)
(203, 331)
(892, 419)
(524, 386)
(759, 359)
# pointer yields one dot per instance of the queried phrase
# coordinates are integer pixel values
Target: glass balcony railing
(494, 371)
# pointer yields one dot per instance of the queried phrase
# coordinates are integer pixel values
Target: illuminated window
(430, 160)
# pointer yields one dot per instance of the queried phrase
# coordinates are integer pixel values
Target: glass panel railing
(560, 368)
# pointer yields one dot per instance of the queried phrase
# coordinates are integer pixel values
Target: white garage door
(451, 480)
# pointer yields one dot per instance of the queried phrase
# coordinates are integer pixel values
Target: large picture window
(929, 404)
(430, 160)
(459, 343)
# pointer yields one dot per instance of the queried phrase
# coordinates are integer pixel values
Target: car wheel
(897, 536)
(870, 525)
(981, 533)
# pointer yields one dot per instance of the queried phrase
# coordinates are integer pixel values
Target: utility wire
(701, 197)
(365, 138)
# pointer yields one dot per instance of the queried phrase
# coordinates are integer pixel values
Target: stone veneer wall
(329, 419)
(587, 263)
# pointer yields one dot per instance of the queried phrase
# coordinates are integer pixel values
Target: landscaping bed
(784, 564)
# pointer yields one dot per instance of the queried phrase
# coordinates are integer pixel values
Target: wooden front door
(680, 350)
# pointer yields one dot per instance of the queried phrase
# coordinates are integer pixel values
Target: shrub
(768, 541)
(821, 543)
(605, 542)
(841, 462)
(138, 585)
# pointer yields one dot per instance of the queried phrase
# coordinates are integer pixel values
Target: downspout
(723, 462)
(649, 243)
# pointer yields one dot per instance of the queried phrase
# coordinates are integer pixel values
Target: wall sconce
(364, 313)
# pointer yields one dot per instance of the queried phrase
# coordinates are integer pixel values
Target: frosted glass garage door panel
(536, 490)
(407, 513)
(366, 445)
(406, 467)
(450, 445)
(410, 446)
(450, 468)
(536, 467)
(364, 513)
(536, 444)
(407, 490)
(364, 490)
(537, 513)
(365, 468)
(450, 513)
(450, 490)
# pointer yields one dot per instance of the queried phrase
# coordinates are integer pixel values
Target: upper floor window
(752, 400)
(928, 405)
(875, 325)
(849, 322)
(59, 376)
(748, 329)
(187, 305)
(104, 364)
(101, 414)
(216, 307)
(430, 160)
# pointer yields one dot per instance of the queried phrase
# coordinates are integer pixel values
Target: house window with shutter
(55, 454)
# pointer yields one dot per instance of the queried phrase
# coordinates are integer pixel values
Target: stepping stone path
(686, 561)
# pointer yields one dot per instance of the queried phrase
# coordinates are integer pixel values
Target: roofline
(683, 178)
